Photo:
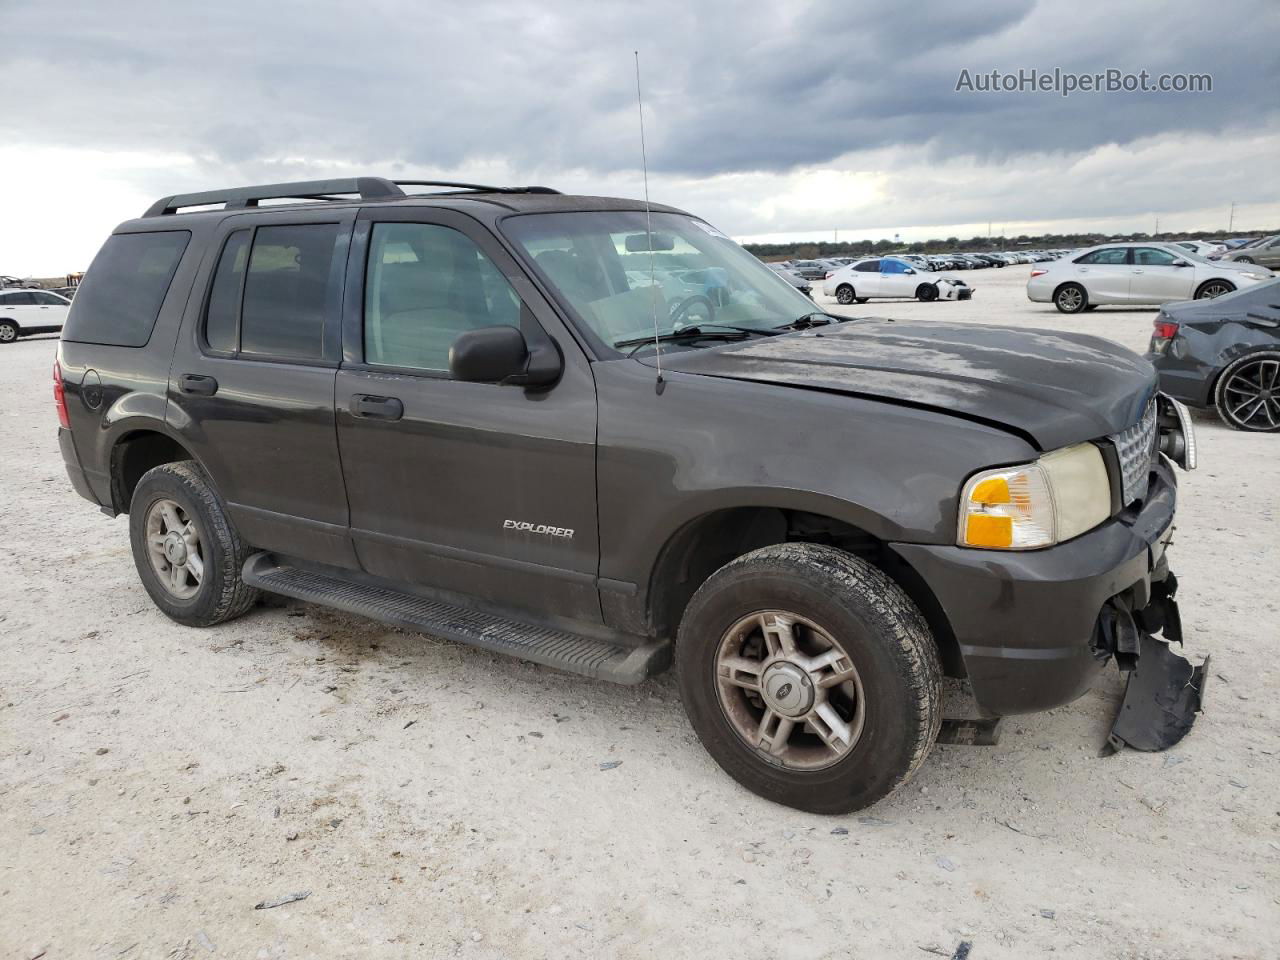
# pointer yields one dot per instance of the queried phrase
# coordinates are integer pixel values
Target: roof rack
(472, 187)
(366, 188)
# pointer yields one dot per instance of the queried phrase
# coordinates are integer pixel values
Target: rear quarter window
(119, 299)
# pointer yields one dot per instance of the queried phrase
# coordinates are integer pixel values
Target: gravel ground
(156, 782)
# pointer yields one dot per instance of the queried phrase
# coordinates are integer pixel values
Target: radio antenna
(648, 230)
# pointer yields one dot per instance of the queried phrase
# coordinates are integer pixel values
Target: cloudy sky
(772, 120)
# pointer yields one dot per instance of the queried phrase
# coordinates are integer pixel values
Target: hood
(1053, 388)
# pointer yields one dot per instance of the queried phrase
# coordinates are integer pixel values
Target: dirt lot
(156, 782)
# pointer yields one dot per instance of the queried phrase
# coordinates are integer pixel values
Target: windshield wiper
(721, 331)
(814, 318)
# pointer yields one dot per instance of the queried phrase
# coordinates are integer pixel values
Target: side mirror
(1179, 263)
(500, 354)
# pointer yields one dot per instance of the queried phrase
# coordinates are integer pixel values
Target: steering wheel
(681, 310)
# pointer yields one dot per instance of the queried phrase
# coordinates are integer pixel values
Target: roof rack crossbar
(367, 188)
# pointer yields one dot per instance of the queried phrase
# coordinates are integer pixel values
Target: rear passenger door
(866, 278)
(1105, 274)
(251, 386)
(477, 489)
(18, 306)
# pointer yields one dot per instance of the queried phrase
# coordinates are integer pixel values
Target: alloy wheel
(789, 690)
(1251, 396)
(1214, 289)
(7, 333)
(1071, 299)
(173, 546)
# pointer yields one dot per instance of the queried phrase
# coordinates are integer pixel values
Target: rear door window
(272, 291)
(868, 266)
(1111, 255)
(119, 299)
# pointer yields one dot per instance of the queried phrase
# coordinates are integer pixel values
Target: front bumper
(1025, 622)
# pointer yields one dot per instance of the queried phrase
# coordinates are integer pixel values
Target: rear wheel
(188, 554)
(926, 292)
(1248, 393)
(844, 294)
(1071, 298)
(8, 331)
(1214, 288)
(810, 677)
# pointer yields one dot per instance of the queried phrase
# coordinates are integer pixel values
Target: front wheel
(1214, 288)
(1248, 393)
(1245, 260)
(187, 552)
(926, 292)
(810, 677)
(844, 294)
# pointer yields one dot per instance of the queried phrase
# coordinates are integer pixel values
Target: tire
(1070, 298)
(1247, 395)
(884, 639)
(1214, 288)
(218, 594)
(926, 292)
(844, 294)
(1245, 260)
(8, 331)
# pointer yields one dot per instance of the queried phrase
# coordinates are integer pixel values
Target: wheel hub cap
(175, 550)
(787, 689)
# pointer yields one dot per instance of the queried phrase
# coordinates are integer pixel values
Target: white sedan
(1136, 273)
(24, 312)
(891, 277)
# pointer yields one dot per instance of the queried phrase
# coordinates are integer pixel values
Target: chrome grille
(1136, 447)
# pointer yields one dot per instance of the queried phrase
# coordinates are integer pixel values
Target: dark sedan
(1224, 354)
(809, 269)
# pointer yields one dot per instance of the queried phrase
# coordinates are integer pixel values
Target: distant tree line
(807, 250)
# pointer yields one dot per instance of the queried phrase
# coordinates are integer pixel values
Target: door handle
(1137, 271)
(376, 408)
(197, 384)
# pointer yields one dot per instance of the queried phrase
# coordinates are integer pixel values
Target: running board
(599, 659)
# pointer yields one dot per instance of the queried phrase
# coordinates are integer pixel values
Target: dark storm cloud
(548, 86)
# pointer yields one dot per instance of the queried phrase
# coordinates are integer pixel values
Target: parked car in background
(793, 278)
(27, 284)
(1135, 273)
(1224, 354)
(809, 269)
(1264, 252)
(1205, 248)
(24, 312)
(892, 277)
(65, 292)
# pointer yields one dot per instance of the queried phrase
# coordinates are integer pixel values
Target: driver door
(475, 489)
(1155, 279)
(895, 281)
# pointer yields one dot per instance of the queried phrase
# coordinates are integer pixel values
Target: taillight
(1038, 273)
(60, 395)
(1165, 330)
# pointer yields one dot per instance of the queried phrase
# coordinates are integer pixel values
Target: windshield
(601, 267)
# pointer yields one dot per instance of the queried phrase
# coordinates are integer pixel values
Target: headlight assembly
(1032, 505)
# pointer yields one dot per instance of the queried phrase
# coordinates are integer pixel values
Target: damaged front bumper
(1164, 691)
(1031, 626)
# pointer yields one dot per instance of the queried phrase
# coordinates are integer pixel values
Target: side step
(599, 659)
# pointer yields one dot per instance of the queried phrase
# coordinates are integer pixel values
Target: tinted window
(868, 266)
(119, 299)
(1152, 257)
(19, 299)
(426, 284)
(893, 266)
(1112, 255)
(48, 299)
(287, 291)
(224, 295)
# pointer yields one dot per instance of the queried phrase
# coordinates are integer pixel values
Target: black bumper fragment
(1161, 700)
